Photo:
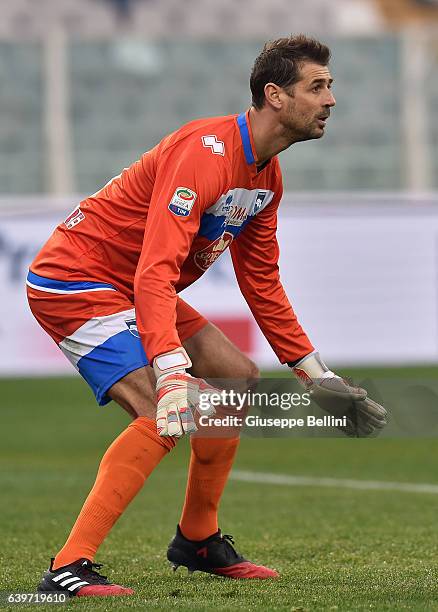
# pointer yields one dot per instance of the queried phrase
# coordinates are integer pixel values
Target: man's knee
(253, 371)
(248, 377)
(215, 356)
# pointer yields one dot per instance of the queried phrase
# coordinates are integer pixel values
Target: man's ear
(273, 95)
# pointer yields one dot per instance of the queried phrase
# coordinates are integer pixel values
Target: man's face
(308, 103)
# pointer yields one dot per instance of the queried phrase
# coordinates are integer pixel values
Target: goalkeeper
(105, 287)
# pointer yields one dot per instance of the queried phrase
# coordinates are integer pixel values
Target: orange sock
(122, 472)
(210, 465)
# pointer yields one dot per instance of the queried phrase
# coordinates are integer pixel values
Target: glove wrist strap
(173, 361)
(312, 368)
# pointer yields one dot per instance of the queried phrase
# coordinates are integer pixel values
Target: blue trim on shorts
(246, 140)
(50, 283)
(111, 361)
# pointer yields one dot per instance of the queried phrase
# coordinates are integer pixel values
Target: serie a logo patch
(182, 201)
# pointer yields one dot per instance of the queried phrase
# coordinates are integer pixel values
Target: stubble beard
(296, 131)
(309, 132)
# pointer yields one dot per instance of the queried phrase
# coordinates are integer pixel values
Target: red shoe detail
(246, 569)
(202, 552)
(103, 590)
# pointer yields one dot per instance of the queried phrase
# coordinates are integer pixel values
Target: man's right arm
(188, 179)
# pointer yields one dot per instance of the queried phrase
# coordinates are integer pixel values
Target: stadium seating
(167, 18)
(21, 130)
(130, 105)
(127, 91)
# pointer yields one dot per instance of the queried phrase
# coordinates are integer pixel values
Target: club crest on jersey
(74, 218)
(182, 201)
(131, 324)
(260, 198)
(206, 257)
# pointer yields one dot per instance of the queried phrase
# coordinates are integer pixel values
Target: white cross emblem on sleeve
(216, 146)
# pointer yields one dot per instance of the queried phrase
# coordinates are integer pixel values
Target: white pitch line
(343, 483)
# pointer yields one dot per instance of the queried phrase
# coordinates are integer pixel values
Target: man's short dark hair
(280, 63)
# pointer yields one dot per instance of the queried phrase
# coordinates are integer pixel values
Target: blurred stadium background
(86, 87)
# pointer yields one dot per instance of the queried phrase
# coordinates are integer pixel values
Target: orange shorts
(94, 325)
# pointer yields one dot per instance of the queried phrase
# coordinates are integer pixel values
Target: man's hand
(337, 397)
(177, 394)
(174, 404)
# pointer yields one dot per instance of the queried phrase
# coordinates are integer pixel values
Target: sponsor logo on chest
(238, 204)
(207, 256)
(237, 216)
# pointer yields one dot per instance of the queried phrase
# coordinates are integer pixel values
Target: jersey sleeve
(255, 256)
(189, 178)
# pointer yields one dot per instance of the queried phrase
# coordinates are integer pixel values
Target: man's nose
(330, 100)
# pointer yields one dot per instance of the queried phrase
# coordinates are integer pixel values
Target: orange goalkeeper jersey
(158, 226)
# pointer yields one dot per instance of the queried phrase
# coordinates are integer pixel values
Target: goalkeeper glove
(178, 394)
(336, 396)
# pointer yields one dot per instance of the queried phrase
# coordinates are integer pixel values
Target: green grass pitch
(336, 549)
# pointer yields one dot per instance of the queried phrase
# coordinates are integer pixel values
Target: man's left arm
(255, 256)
